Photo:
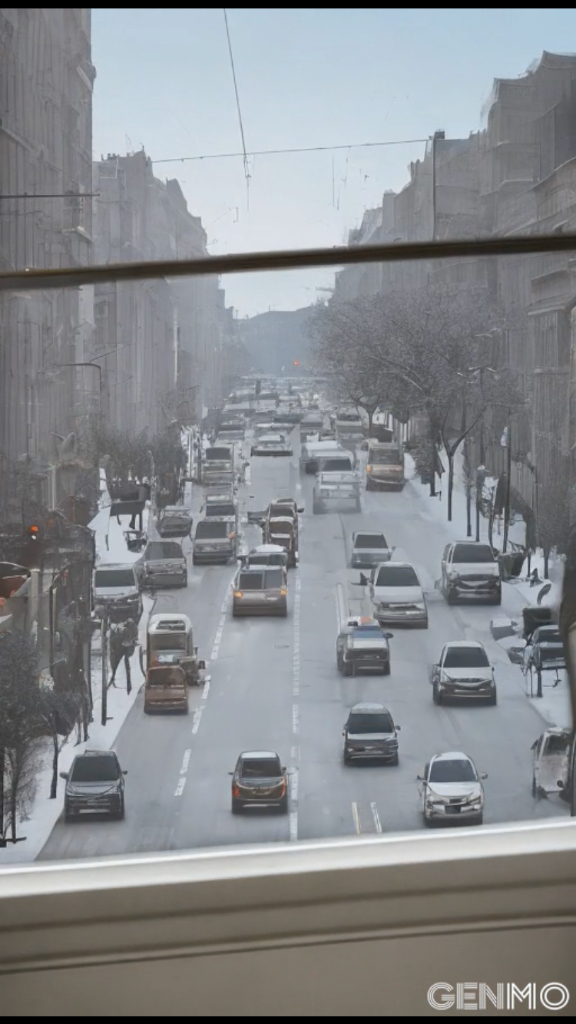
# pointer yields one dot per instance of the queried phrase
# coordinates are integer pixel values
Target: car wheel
(425, 623)
(194, 561)
(396, 760)
(493, 699)
(283, 808)
(67, 815)
(428, 823)
(387, 669)
(534, 788)
(185, 582)
(497, 600)
(121, 814)
(480, 819)
(236, 806)
(436, 695)
(450, 597)
(346, 669)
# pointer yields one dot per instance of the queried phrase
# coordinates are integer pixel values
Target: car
(463, 670)
(260, 591)
(265, 554)
(369, 549)
(370, 734)
(470, 572)
(94, 785)
(259, 780)
(362, 645)
(115, 589)
(271, 444)
(175, 521)
(163, 564)
(451, 790)
(397, 595)
(214, 541)
(544, 650)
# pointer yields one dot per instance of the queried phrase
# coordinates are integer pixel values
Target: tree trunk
(546, 561)
(128, 675)
(433, 465)
(13, 806)
(55, 751)
(450, 456)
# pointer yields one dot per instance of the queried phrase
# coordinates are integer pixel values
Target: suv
(470, 571)
(115, 588)
(94, 785)
(260, 591)
(259, 780)
(369, 549)
(370, 733)
(463, 670)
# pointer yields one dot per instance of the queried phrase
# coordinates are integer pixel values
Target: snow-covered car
(397, 595)
(451, 790)
(271, 444)
(463, 671)
(470, 572)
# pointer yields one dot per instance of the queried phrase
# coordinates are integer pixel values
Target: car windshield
(261, 768)
(156, 551)
(211, 531)
(221, 510)
(251, 581)
(364, 722)
(472, 553)
(458, 770)
(105, 578)
(168, 642)
(466, 657)
(557, 744)
(95, 769)
(397, 576)
(335, 465)
(547, 636)
(372, 541)
(218, 454)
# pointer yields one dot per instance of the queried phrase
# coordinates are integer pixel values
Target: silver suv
(370, 733)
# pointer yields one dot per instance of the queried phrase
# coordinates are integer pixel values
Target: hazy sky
(306, 77)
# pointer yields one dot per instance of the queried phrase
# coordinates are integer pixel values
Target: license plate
(453, 810)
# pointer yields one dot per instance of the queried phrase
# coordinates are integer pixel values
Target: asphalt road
(274, 685)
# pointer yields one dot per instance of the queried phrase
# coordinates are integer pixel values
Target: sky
(306, 77)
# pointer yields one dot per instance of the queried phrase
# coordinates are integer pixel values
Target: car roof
(474, 543)
(451, 755)
(177, 508)
(465, 643)
(368, 708)
(98, 753)
(368, 533)
(391, 565)
(267, 549)
(168, 618)
(256, 755)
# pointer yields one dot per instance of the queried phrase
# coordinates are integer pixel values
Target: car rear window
(156, 550)
(95, 769)
(211, 531)
(371, 541)
(364, 722)
(472, 553)
(218, 453)
(274, 578)
(221, 510)
(251, 581)
(261, 768)
(114, 578)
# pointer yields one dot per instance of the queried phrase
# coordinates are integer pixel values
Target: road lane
(274, 684)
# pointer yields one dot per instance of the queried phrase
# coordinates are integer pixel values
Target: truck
(218, 465)
(338, 489)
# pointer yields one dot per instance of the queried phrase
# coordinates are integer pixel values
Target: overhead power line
(299, 149)
(244, 154)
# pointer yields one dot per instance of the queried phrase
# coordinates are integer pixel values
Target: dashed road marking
(356, 818)
(180, 787)
(295, 718)
(206, 689)
(197, 717)
(376, 817)
(294, 753)
(185, 762)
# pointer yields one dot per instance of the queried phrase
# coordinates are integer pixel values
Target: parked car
(470, 572)
(163, 564)
(94, 785)
(115, 589)
(259, 780)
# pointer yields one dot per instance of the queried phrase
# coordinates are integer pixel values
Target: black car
(362, 645)
(259, 780)
(94, 785)
(370, 734)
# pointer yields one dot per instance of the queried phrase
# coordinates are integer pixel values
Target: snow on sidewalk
(44, 813)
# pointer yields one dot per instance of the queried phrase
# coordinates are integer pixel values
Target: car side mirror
(560, 784)
(283, 768)
(389, 636)
(364, 581)
(484, 775)
(63, 775)
(301, 510)
(343, 732)
(419, 778)
(230, 773)
(125, 773)
(398, 728)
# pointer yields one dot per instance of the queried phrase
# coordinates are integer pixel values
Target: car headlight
(474, 800)
(421, 607)
(452, 575)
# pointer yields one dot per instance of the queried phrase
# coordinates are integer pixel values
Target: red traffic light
(296, 362)
(33, 531)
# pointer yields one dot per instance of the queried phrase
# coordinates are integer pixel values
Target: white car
(271, 444)
(397, 595)
(451, 790)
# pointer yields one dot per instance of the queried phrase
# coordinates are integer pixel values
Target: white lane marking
(185, 762)
(293, 826)
(221, 623)
(375, 815)
(296, 655)
(294, 753)
(295, 718)
(197, 717)
(341, 606)
(180, 787)
(298, 487)
(206, 689)
(356, 818)
(294, 787)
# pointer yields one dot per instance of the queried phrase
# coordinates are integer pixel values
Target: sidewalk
(554, 706)
(44, 813)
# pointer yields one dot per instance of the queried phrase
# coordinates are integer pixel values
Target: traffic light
(34, 533)
(296, 362)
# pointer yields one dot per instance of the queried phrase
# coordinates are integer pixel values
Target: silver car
(451, 790)
(370, 734)
(369, 549)
(260, 591)
(397, 595)
(163, 564)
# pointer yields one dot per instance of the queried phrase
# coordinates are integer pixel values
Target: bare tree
(19, 729)
(59, 711)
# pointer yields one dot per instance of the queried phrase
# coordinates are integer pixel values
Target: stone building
(46, 79)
